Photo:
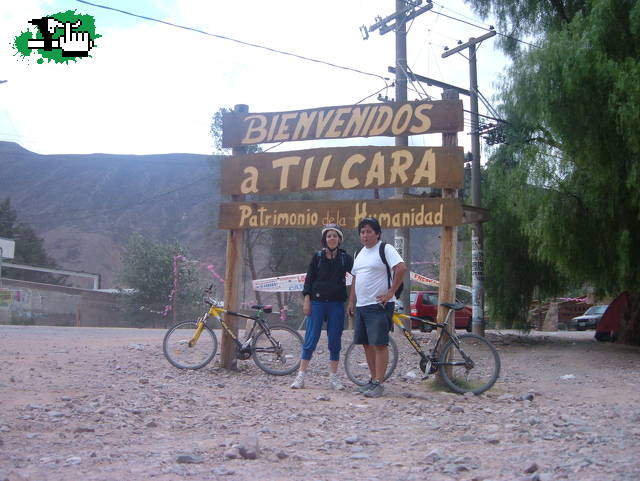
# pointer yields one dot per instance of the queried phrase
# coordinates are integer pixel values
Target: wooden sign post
(232, 278)
(448, 242)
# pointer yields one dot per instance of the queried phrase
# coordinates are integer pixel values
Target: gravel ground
(104, 404)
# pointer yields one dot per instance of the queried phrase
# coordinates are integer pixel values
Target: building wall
(23, 302)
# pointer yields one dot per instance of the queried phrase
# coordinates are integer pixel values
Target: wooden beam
(232, 280)
(448, 241)
(342, 168)
(341, 122)
(391, 213)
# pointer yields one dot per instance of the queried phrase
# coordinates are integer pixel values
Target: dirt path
(103, 404)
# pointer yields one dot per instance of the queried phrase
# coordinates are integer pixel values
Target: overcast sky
(152, 88)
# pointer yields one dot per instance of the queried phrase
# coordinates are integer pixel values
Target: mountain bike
(467, 363)
(276, 349)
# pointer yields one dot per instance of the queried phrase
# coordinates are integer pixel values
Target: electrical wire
(482, 28)
(442, 7)
(241, 42)
(487, 117)
(369, 96)
(410, 78)
(486, 103)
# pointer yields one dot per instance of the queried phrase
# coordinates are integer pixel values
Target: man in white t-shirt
(371, 301)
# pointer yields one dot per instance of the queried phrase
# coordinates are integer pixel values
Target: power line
(442, 7)
(488, 29)
(241, 42)
(487, 117)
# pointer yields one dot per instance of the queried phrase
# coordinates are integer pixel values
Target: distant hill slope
(86, 206)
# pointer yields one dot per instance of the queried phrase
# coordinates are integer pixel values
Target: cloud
(151, 88)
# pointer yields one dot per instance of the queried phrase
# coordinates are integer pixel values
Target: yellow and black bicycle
(468, 363)
(276, 349)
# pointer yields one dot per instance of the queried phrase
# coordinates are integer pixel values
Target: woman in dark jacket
(325, 293)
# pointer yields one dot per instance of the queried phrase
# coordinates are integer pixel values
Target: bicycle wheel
(178, 352)
(279, 352)
(356, 367)
(478, 372)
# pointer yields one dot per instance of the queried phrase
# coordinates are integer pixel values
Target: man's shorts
(372, 323)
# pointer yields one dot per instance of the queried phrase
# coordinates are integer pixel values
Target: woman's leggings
(333, 312)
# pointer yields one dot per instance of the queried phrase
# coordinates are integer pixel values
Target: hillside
(86, 206)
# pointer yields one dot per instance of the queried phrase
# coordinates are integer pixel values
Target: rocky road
(104, 404)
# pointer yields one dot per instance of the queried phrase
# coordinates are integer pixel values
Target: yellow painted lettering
(333, 130)
(322, 182)
(367, 124)
(306, 172)
(426, 169)
(245, 213)
(323, 120)
(284, 163)
(346, 181)
(303, 126)
(384, 219)
(423, 118)
(250, 183)
(402, 160)
(438, 216)
(385, 115)
(356, 121)
(256, 129)
(361, 213)
(376, 170)
(401, 119)
(272, 126)
(283, 131)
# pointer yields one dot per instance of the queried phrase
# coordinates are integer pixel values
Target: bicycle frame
(397, 320)
(217, 313)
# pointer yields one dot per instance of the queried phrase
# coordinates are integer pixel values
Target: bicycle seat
(456, 306)
(265, 309)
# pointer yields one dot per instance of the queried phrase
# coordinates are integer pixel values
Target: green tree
(148, 270)
(571, 164)
(216, 133)
(29, 248)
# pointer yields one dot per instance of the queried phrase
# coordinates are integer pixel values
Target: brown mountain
(86, 206)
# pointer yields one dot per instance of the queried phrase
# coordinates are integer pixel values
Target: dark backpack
(383, 257)
(320, 255)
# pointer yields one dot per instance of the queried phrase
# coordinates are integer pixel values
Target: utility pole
(477, 256)
(402, 237)
(405, 10)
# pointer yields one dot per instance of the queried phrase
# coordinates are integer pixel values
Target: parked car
(588, 320)
(424, 304)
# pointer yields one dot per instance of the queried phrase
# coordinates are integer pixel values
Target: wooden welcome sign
(339, 168)
(369, 120)
(343, 168)
(392, 213)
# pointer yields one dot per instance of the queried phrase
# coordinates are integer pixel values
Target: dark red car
(424, 304)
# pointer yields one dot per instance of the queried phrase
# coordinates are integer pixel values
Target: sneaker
(335, 383)
(375, 391)
(298, 383)
(365, 388)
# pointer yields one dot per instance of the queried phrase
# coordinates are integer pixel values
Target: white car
(590, 319)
